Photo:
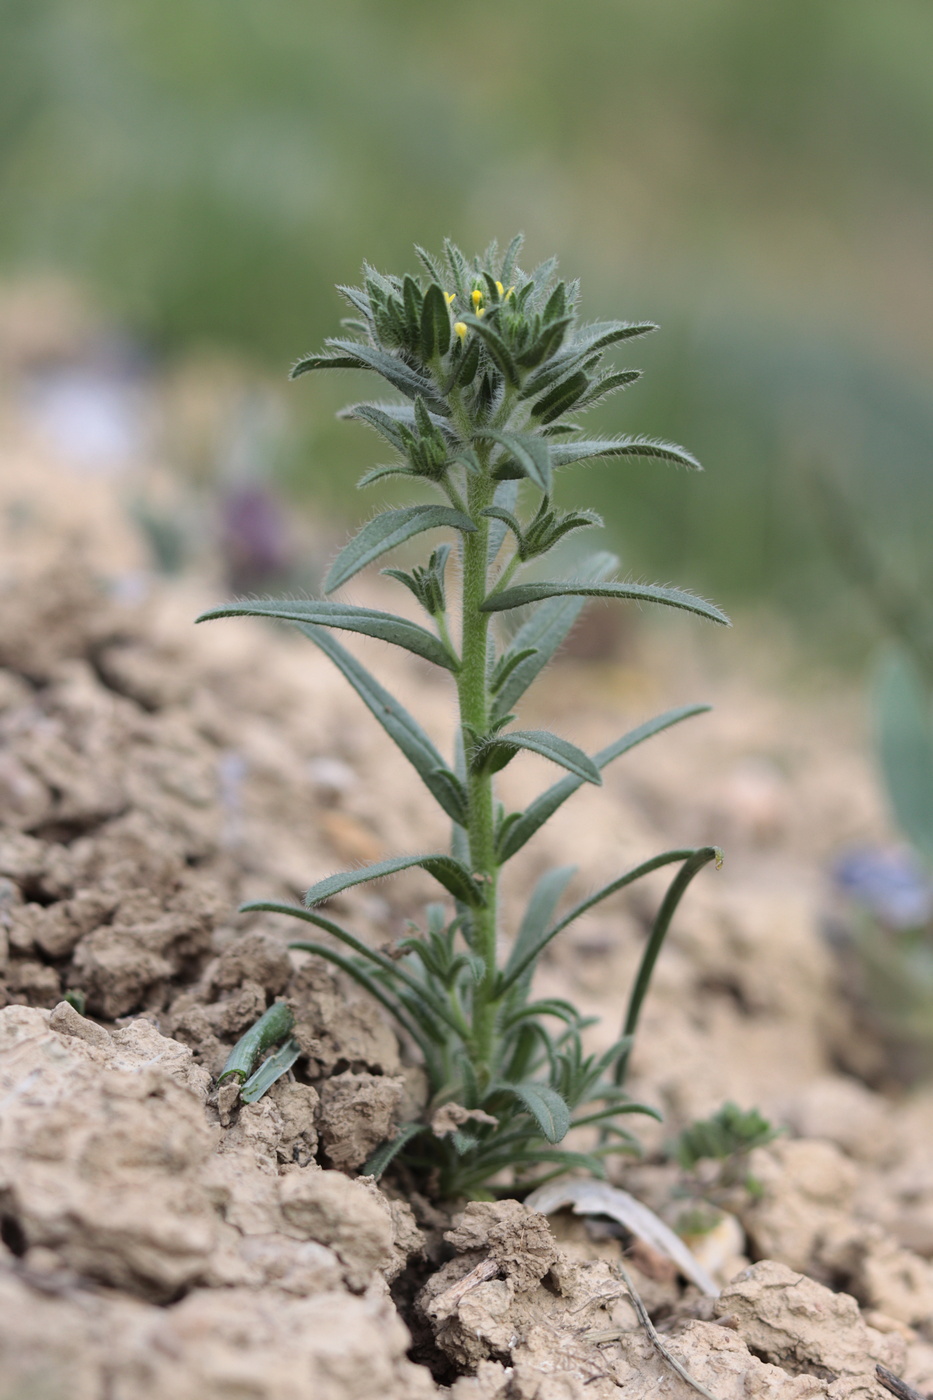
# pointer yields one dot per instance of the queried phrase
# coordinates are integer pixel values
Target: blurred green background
(755, 177)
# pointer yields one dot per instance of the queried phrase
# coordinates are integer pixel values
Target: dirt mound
(151, 777)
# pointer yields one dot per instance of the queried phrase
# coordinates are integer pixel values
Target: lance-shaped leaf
(435, 324)
(448, 872)
(496, 752)
(506, 498)
(523, 593)
(542, 634)
(392, 971)
(383, 1155)
(542, 808)
(401, 728)
(599, 335)
(309, 362)
(388, 417)
(538, 915)
(561, 398)
(529, 456)
(562, 454)
(693, 864)
(905, 743)
(495, 345)
(536, 947)
(385, 531)
(545, 1105)
(270, 1071)
(386, 626)
(361, 356)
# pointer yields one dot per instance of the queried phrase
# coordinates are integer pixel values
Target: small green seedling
(730, 1133)
(491, 368)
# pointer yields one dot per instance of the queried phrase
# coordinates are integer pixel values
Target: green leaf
(562, 454)
(545, 1105)
(543, 807)
(309, 362)
(430, 264)
(272, 1026)
(392, 971)
(529, 454)
(412, 301)
(506, 665)
(524, 593)
(269, 1071)
(377, 417)
(495, 345)
(536, 948)
(400, 375)
(506, 498)
(494, 753)
(561, 398)
(399, 1012)
(401, 728)
(905, 746)
(386, 626)
(508, 262)
(693, 864)
(435, 324)
(543, 633)
(381, 1158)
(553, 1006)
(606, 384)
(385, 531)
(540, 911)
(601, 334)
(380, 474)
(389, 417)
(448, 872)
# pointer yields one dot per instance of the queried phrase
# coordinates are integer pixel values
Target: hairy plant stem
(473, 688)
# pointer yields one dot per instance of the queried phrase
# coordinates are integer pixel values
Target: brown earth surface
(158, 1242)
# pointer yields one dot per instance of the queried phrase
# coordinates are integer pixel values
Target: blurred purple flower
(253, 536)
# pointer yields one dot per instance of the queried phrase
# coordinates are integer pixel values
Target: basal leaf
(270, 1071)
(539, 912)
(546, 1107)
(535, 948)
(383, 1155)
(450, 873)
(386, 626)
(523, 593)
(386, 531)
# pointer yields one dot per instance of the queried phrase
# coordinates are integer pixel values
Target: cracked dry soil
(155, 1242)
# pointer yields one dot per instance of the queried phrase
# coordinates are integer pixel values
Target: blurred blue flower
(890, 883)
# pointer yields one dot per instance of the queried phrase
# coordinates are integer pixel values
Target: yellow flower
(461, 329)
(477, 299)
(451, 296)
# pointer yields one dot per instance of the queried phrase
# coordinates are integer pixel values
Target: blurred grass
(757, 178)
